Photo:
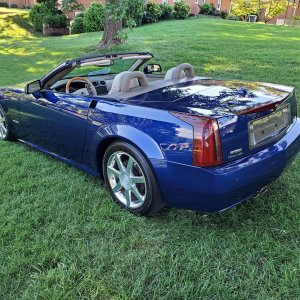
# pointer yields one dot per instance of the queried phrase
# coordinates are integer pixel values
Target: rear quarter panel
(158, 134)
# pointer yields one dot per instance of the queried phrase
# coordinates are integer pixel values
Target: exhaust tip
(261, 192)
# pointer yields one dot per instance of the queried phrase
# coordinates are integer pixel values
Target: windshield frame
(65, 68)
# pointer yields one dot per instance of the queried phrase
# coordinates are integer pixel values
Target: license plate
(267, 128)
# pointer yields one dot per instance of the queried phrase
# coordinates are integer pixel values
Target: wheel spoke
(117, 187)
(129, 165)
(137, 194)
(3, 131)
(119, 162)
(126, 179)
(128, 197)
(112, 171)
(2, 119)
(138, 179)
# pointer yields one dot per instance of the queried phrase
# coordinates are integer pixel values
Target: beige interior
(126, 81)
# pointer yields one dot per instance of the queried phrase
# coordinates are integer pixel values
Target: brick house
(20, 3)
(292, 10)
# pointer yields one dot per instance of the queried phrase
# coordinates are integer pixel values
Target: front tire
(5, 127)
(130, 179)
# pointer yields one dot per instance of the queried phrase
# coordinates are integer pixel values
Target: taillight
(207, 150)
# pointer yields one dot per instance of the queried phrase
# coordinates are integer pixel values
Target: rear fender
(104, 136)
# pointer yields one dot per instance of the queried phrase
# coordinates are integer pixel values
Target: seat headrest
(116, 85)
(132, 80)
(125, 81)
(181, 71)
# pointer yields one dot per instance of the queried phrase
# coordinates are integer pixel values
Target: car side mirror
(32, 87)
(153, 68)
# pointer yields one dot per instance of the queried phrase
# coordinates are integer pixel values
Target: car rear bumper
(218, 188)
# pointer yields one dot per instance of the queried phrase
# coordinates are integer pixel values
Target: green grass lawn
(61, 237)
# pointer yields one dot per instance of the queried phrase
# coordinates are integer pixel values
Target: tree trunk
(110, 36)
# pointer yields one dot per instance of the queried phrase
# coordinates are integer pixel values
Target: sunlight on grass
(9, 26)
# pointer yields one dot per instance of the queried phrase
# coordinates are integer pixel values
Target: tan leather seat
(180, 72)
(126, 81)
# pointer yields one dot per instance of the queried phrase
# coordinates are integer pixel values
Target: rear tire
(130, 180)
(5, 127)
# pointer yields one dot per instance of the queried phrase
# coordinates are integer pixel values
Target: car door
(56, 122)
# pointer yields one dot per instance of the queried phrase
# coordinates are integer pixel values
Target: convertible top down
(157, 139)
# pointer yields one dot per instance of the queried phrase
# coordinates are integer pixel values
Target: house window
(165, 1)
(196, 1)
(219, 4)
(203, 1)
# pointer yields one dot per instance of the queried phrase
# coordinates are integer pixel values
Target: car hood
(208, 97)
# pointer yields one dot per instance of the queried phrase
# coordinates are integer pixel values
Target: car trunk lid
(251, 115)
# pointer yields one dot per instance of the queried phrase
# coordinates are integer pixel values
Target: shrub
(207, 9)
(94, 18)
(153, 13)
(37, 14)
(57, 20)
(234, 18)
(166, 11)
(51, 5)
(296, 18)
(71, 5)
(3, 4)
(14, 5)
(224, 14)
(135, 12)
(216, 13)
(181, 10)
(77, 25)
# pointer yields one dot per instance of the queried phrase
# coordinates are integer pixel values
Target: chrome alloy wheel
(3, 125)
(126, 179)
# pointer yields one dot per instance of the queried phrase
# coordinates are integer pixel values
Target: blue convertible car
(175, 139)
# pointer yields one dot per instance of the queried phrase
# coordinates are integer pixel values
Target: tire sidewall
(144, 165)
(7, 124)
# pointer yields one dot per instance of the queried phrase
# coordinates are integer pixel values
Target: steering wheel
(88, 90)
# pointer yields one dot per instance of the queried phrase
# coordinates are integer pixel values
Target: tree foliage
(94, 18)
(71, 5)
(266, 9)
(51, 5)
(114, 33)
(134, 13)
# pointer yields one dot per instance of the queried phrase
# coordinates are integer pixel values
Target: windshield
(116, 67)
